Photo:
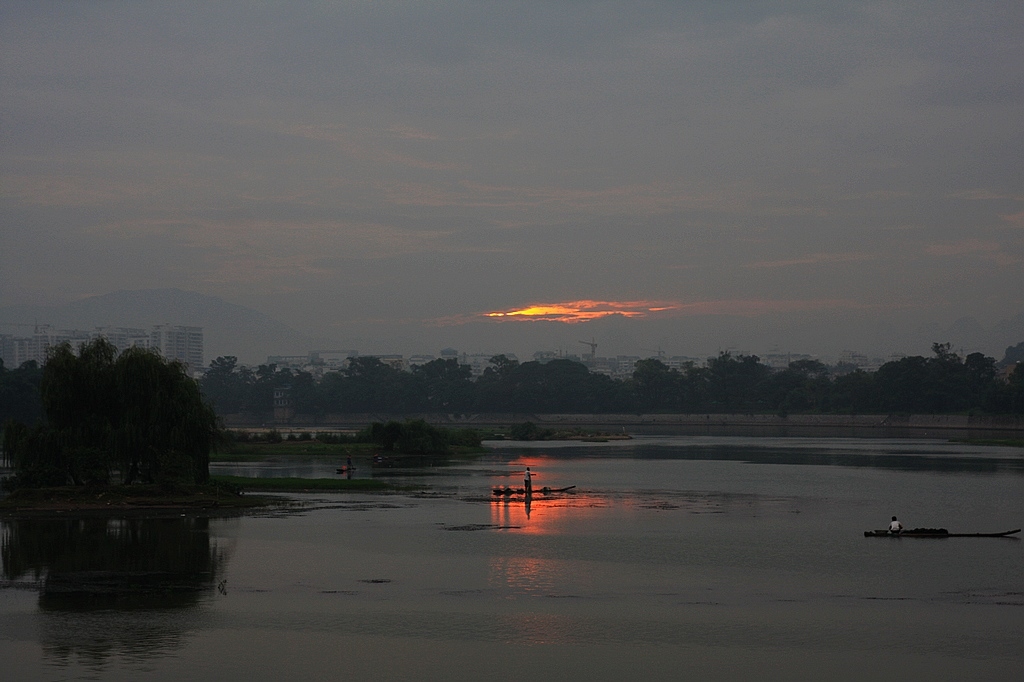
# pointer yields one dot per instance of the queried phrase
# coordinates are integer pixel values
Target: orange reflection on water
(529, 575)
(552, 514)
(540, 513)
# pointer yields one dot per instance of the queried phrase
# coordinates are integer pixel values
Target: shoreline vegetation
(238, 494)
(235, 493)
(256, 451)
(132, 430)
(223, 495)
(499, 425)
(121, 499)
(120, 431)
(114, 442)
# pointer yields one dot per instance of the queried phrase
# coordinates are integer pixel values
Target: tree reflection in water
(112, 586)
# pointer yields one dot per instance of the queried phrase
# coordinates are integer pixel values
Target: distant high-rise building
(176, 343)
(13, 350)
(179, 343)
(123, 338)
(18, 350)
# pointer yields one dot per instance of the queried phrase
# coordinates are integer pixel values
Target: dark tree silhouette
(943, 383)
(136, 414)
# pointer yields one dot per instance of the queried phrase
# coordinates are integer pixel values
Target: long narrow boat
(935, 533)
(536, 491)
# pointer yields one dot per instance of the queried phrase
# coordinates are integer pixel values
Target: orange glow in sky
(585, 310)
(582, 311)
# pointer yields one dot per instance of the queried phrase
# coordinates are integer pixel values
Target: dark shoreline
(151, 501)
(809, 425)
(111, 500)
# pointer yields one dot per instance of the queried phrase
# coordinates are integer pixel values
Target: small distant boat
(345, 470)
(522, 491)
(935, 533)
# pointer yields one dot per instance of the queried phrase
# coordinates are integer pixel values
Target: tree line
(943, 383)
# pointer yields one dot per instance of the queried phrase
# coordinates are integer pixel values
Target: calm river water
(673, 558)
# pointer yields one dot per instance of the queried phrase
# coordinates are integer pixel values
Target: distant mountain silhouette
(228, 329)
(968, 335)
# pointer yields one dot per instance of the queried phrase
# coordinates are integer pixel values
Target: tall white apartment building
(123, 338)
(15, 351)
(179, 343)
(173, 342)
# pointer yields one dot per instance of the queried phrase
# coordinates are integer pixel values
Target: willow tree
(136, 414)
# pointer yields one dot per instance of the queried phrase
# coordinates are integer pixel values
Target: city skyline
(253, 337)
(185, 343)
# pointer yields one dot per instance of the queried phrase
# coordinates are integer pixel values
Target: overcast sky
(802, 175)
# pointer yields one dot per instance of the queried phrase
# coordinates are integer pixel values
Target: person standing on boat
(895, 527)
(528, 481)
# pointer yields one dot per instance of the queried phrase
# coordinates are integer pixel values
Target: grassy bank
(257, 451)
(119, 498)
(224, 494)
(298, 485)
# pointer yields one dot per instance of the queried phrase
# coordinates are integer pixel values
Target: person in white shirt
(528, 481)
(895, 527)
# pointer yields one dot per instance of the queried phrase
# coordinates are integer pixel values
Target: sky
(513, 176)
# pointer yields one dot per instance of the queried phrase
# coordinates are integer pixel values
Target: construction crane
(593, 347)
(660, 352)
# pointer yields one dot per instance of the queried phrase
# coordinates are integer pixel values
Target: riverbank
(255, 451)
(305, 485)
(133, 498)
(812, 425)
(225, 495)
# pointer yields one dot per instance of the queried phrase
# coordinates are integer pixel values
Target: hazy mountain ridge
(228, 328)
(967, 334)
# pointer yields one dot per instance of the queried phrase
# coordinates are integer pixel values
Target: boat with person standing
(935, 533)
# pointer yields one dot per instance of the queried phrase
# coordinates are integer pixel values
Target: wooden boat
(522, 491)
(935, 533)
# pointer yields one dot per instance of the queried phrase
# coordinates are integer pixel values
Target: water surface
(710, 558)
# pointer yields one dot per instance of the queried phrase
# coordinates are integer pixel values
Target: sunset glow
(582, 311)
(586, 310)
